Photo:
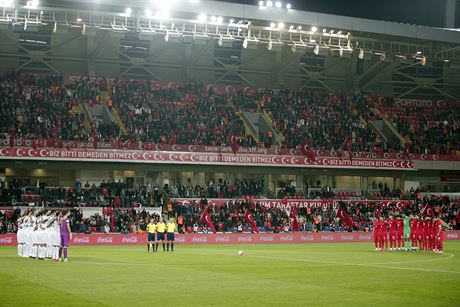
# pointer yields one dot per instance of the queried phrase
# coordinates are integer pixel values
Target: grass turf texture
(348, 274)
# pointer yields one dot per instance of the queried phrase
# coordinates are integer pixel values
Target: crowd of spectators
(188, 114)
(221, 189)
(45, 107)
(322, 120)
(38, 108)
(430, 130)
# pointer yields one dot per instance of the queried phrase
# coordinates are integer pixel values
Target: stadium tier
(312, 146)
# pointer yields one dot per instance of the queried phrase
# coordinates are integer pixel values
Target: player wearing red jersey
(427, 233)
(413, 232)
(393, 223)
(377, 226)
(439, 236)
(434, 232)
(420, 227)
(400, 232)
(384, 233)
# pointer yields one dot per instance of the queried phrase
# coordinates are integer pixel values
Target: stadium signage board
(298, 203)
(203, 158)
(221, 238)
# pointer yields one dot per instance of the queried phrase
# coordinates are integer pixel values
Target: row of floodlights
(277, 4)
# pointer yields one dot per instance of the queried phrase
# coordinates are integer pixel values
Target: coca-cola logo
(287, 238)
(222, 239)
(180, 239)
(104, 240)
(200, 239)
(81, 240)
(327, 238)
(245, 239)
(307, 238)
(364, 238)
(6, 240)
(267, 238)
(347, 238)
(129, 240)
(452, 236)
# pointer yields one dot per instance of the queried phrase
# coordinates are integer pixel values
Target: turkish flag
(233, 144)
(308, 152)
(344, 217)
(293, 216)
(206, 218)
(249, 218)
(427, 211)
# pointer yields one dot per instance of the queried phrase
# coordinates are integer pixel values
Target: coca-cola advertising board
(223, 238)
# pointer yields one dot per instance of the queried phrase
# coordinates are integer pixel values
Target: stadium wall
(222, 238)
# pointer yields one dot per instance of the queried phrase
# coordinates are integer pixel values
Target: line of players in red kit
(408, 233)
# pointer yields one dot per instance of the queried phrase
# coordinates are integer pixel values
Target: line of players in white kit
(42, 235)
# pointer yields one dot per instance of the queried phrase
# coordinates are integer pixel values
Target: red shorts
(400, 236)
(393, 236)
(420, 237)
(383, 236)
(413, 236)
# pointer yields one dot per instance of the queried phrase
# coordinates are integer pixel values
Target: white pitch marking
(357, 264)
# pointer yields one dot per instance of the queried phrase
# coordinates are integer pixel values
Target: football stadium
(229, 153)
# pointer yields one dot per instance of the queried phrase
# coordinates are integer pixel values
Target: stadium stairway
(248, 126)
(278, 137)
(386, 129)
(117, 119)
(83, 110)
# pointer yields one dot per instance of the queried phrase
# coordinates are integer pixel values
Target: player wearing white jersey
(20, 235)
(56, 236)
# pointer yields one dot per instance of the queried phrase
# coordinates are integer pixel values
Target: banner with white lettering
(203, 158)
(224, 238)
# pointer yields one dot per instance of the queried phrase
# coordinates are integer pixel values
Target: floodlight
(278, 4)
(314, 29)
(202, 17)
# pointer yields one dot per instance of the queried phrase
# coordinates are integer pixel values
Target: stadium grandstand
(227, 123)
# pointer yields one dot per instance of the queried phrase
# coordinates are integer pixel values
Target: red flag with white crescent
(234, 144)
(427, 211)
(293, 216)
(344, 217)
(206, 218)
(250, 220)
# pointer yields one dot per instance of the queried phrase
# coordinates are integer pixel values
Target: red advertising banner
(43, 144)
(139, 156)
(221, 238)
(298, 203)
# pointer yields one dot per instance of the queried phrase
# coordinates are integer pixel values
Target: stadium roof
(273, 14)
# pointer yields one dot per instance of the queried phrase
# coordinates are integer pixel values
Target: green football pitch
(348, 274)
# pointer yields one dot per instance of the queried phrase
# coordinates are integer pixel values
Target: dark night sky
(422, 12)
